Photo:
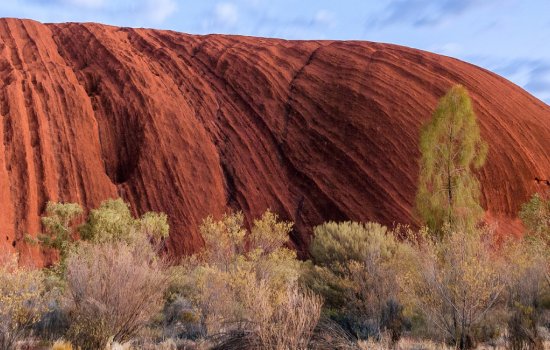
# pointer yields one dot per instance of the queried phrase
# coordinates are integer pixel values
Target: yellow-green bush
(113, 222)
(248, 282)
(535, 214)
(113, 281)
(355, 269)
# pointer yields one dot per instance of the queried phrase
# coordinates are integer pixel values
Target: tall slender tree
(451, 148)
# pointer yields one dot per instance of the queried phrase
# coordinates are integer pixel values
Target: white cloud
(95, 4)
(160, 10)
(448, 49)
(226, 14)
(324, 17)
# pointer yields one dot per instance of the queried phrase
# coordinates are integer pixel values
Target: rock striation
(197, 125)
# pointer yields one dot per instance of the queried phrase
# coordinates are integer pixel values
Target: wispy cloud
(160, 10)
(131, 11)
(532, 74)
(249, 17)
(86, 3)
(448, 49)
(223, 17)
(420, 13)
(226, 14)
(324, 18)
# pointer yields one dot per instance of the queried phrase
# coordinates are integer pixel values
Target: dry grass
(288, 325)
(62, 345)
(420, 344)
(292, 323)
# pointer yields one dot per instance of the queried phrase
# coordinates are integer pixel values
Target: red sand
(197, 125)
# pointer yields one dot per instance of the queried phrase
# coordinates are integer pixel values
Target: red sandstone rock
(197, 125)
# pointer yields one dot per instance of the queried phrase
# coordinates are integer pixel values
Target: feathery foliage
(451, 148)
(113, 222)
(58, 227)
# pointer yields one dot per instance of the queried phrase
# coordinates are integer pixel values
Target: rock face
(198, 125)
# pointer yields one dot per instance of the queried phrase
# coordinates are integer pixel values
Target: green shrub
(527, 262)
(355, 269)
(59, 233)
(113, 222)
(535, 214)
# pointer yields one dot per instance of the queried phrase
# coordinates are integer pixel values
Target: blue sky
(509, 37)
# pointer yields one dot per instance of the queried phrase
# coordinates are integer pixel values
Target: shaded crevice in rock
(121, 129)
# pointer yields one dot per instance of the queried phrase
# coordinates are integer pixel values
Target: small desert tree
(451, 148)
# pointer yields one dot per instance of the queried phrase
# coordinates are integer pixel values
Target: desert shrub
(457, 281)
(288, 325)
(527, 290)
(22, 300)
(180, 320)
(113, 222)
(529, 278)
(535, 214)
(355, 269)
(393, 320)
(244, 285)
(231, 272)
(113, 290)
(58, 222)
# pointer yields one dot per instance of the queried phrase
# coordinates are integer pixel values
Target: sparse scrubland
(449, 284)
